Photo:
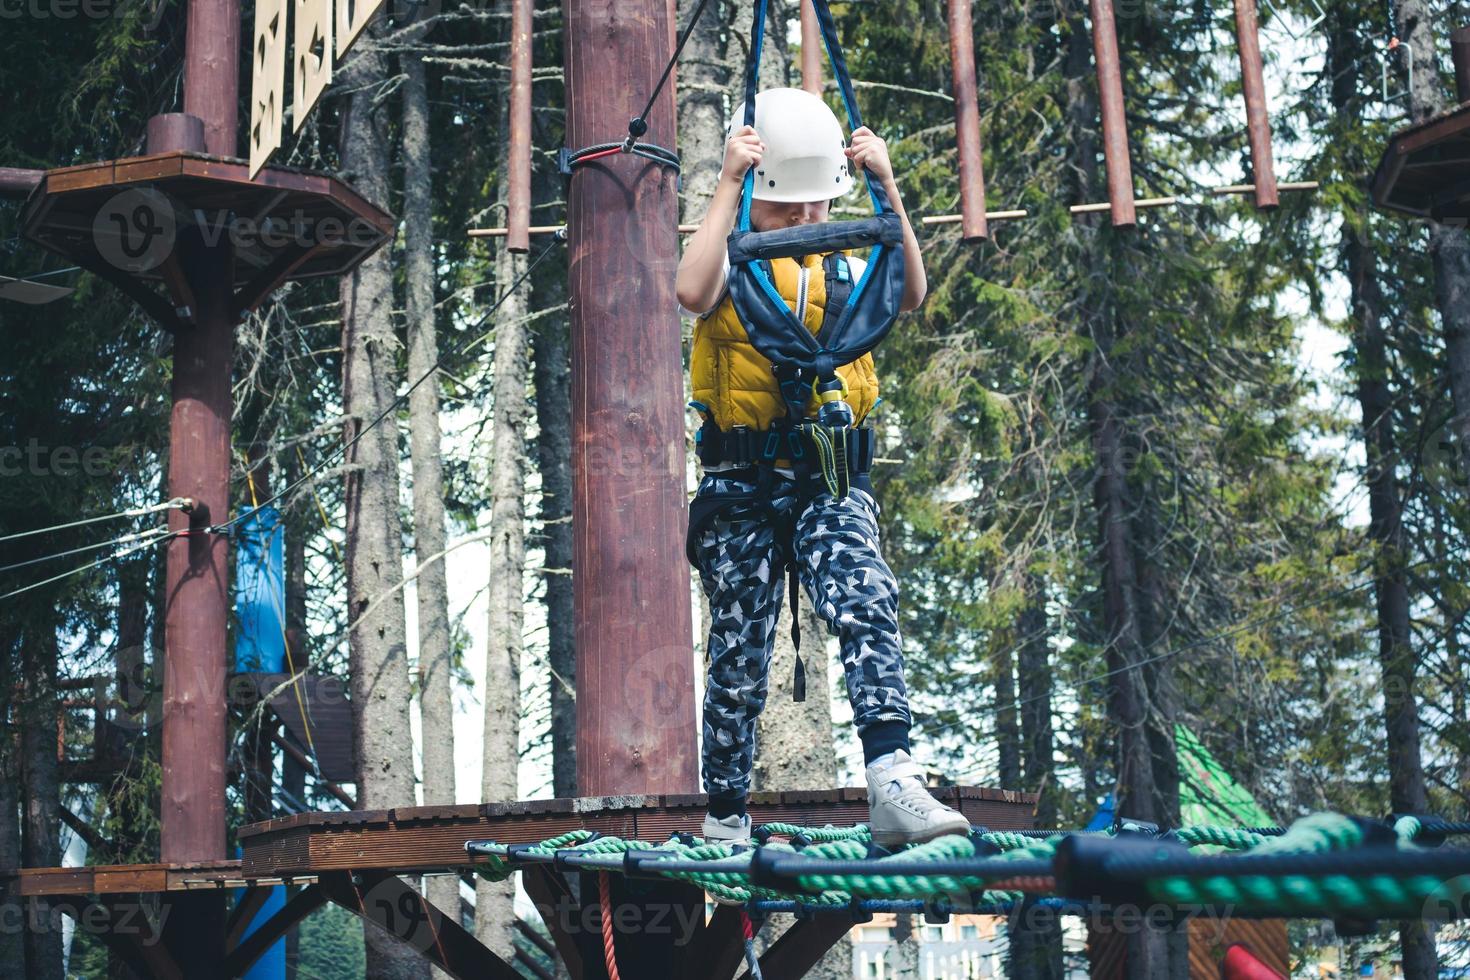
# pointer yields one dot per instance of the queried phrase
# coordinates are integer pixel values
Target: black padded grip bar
(828, 236)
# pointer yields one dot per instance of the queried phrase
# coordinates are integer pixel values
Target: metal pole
(1460, 51)
(197, 574)
(635, 685)
(519, 219)
(1257, 118)
(1114, 122)
(967, 123)
(811, 49)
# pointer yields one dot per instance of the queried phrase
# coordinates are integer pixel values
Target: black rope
(638, 125)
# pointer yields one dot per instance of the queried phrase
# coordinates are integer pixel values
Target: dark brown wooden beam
(156, 306)
(287, 261)
(123, 924)
(1460, 54)
(300, 757)
(246, 906)
(242, 956)
(551, 895)
(95, 841)
(720, 950)
(19, 183)
(802, 946)
(388, 903)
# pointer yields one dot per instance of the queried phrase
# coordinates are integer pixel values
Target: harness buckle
(773, 444)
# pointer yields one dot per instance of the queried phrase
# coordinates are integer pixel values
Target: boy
(770, 514)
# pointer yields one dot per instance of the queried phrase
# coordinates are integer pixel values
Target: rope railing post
(1257, 117)
(518, 220)
(973, 227)
(1116, 157)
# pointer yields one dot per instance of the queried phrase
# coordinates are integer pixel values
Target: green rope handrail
(1371, 895)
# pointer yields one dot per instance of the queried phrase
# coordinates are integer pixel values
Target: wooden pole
(635, 687)
(967, 123)
(197, 573)
(1460, 53)
(19, 183)
(811, 49)
(212, 72)
(519, 219)
(1257, 118)
(1114, 122)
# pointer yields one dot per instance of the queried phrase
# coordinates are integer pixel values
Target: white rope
(180, 503)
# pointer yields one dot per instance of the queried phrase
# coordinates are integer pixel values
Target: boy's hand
(742, 151)
(867, 151)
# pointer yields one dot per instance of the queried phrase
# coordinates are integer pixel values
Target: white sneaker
(734, 829)
(900, 809)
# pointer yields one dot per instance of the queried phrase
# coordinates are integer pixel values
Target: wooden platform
(1426, 169)
(353, 859)
(430, 838)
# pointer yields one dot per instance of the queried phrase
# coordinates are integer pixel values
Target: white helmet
(804, 143)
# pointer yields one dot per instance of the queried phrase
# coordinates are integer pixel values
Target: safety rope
(747, 931)
(609, 946)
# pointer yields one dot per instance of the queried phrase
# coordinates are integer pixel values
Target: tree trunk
(12, 909)
(1036, 934)
(435, 661)
(1449, 247)
(1148, 952)
(1007, 729)
(494, 912)
(1396, 654)
(1407, 789)
(551, 343)
(41, 788)
(378, 651)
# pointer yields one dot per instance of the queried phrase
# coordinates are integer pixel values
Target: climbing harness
(826, 453)
(873, 304)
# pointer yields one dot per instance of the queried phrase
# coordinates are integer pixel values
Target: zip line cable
(180, 503)
(401, 399)
(122, 539)
(120, 553)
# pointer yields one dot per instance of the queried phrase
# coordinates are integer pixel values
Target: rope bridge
(1323, 866)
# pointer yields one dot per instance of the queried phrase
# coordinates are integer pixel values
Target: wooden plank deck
(431, 838)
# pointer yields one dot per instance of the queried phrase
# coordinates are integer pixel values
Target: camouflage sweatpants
(740, 560)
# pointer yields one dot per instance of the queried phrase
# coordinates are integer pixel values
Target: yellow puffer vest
(734, 381)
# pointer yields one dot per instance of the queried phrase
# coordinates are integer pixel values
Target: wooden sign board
(267, 80)
(313, 56)
(314, 24)
(353, 16)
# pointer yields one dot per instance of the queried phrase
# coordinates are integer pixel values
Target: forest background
(1205, 472)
